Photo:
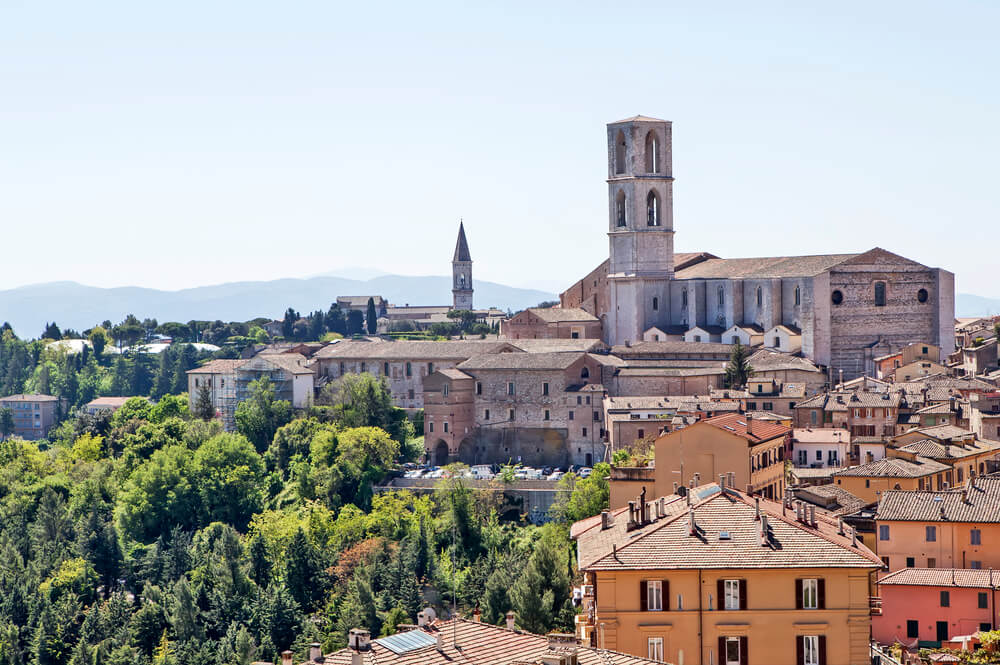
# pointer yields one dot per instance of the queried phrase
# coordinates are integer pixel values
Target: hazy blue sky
(185, 143)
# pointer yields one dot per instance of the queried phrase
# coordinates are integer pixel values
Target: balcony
(875, 606)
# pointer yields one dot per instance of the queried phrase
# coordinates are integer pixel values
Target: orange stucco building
(719, 577)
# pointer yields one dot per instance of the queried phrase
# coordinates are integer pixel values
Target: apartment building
(34, 415)
(721, 577)
(873, 480)
(953, 528)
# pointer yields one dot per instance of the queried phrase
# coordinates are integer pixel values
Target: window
(479, 388)
(931, 562)
(813, 417)
(584, 431)
(985, 627)
(431, 427)
(731, 595)
(546, 414)
(652, 209)
(510, 387)
(975, 537)
(945, 599)
(837, 297)
(385, 369)
(597, 416)
(684, 297)
(620, 152)
(729, 650)
(930, 534)
(654, 595)
(736, 339)
(641, 434)
(768, 406)
(885, 562)
(409, 370)
(656, 303)
(802, 458)
(444, 390)
(545, 388)
(487, 414)
(810, 650)
(430, 368)
(912, 628)
(510, 414)
(777, 342)
(446, 428)
(819, 455)
(362, 370)
(621, 216)
(910, 562)
(810, 594)
(760, 296)
(883, 532)
(983, 600)
(722, 301)
(922, 297)
(975, 564)
(697, 338)
(410, 393)
(798, 297)
(879, 294)
(585, 373)
(654, 649)
(652, 154)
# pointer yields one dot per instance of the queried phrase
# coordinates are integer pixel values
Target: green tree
(99, 339)
(355, 322)
(542, 591)
(259, 417)
(371, 317)
(738, 370)
(583, 498)
(203, 408)
(6, 422)
(228, 475)
(159, 495)
(303, 573)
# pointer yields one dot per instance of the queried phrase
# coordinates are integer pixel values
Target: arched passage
(440, 453)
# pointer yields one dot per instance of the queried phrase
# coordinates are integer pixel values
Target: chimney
(605, 519)
(675, 488)
(756, 509)
(356, 658)
(812, 515)
(750, 424)
(722, 480)
(440, 641)
(510, 620)
(477, 616)
(798, 511)
(316, 652)
(286, 658)
(692, 529)
(840, 525)
(763, 531)
(732, 479)
(697, 479)
(854, 537)
(358, 639)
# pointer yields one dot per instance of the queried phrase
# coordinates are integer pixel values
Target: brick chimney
(750, 424)
(316, 652)
(286, 658)
(510, 620)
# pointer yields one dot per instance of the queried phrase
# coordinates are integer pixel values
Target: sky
(180, 144)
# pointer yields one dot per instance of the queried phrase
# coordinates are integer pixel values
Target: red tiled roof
(737, 423)
(979, 503)
(951, 577)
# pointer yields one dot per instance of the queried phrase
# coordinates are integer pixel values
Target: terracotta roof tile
(895, 467)
(737, 423)
(981, 503)
(948, 577)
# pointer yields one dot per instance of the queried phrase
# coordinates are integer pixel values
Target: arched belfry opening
(620, 152)
(652, 152)
(621, 207)
(652, 209)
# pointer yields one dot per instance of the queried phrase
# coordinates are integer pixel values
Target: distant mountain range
(73, 305)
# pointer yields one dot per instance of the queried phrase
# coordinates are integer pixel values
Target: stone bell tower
(461, 273)
(640, 228)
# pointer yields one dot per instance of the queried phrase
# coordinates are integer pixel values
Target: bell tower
(640, 226)
(461, 273)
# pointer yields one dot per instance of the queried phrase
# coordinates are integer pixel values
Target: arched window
(837, 297)
(584, 373)
(461, 281)
(621, 216)
(722, 295)
(760, 297)
(879, 294)
(798, 297)
(656, 303)
(652, 153)
(684, 297)
(652, 209)
(620, 152)
(922, 295)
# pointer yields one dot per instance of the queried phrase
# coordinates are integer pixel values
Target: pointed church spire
(462, 246)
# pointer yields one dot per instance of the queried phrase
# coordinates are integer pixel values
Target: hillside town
(800, 454)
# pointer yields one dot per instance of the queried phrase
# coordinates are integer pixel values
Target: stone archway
(440, 453)
(468, 452)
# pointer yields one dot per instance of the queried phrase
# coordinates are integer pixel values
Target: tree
(288, 323)
(51, 331)
(203, 408)
(355, 322)
(371, 317)
(303, 573)
(6, 422)
(99, 339)
(259, 417)
(587, 497)
(738, 370)
(228, 475)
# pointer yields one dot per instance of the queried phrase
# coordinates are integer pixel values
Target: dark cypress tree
(303, 574)
(203, 408)
(164, 378)
(738, 370)
(371, 318)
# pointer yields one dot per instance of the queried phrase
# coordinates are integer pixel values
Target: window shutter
(800, 650)
(821, 593)
(720, 598)
(743, 594)
(643, 600)
(665, 595)
(722, 651)
(798, 594)
(822, 650)
(744, 657)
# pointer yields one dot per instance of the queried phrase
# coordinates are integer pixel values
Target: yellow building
(722, 578)
(870, 481)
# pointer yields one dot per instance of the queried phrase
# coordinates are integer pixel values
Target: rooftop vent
(725, 535)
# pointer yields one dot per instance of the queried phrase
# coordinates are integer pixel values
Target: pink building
(923, 607)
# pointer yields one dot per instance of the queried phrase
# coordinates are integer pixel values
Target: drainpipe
(701, 614)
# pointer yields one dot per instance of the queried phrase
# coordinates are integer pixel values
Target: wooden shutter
(800, 650)
(744, 656)
(821, 594)
(743, 594)
(720, 595)
(665, 595)
(643, 598)
(798, 594)
(822, 649)
(722, 651)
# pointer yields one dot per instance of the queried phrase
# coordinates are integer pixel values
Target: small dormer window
(725, 535)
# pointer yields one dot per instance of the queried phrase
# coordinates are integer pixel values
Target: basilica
(839, 310)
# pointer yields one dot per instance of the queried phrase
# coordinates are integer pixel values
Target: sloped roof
(944, 432)
(525, 361)
(224, 366)
(462, 245)
(895, 467)
(980, 504)
(949, 577)
(363, 349)
(667, 544)
(562, 315)
(933, 449)
(477, 644)
(559, 344)
(763, 267)
(736, 423)
(766, 360)
(637, 118)
(29, 398)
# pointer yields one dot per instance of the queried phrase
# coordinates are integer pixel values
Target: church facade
(846, 308)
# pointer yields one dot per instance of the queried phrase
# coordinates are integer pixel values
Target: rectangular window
(545, 388)
(930, 533)
(444, 390)
(985, 627)
(810, 594)
(385, 369)
(912, 628)
(883, 532)
(546, 414)
(584, 431)
(654, 649)
(487, 414)
(571, 415)
(910, 563)
(430, 368)
(641, 434)
(975, 564)
(976, 537)
(579, 399)
(984, 601)
(479, 387)
(597, 416)
(430, 427)
(931, 562)
(446, 428)
(732, 595)
(732, 649)
(654, 595)
(510, 387)
(768, 406)
(362, 368)
(810, 650)
(945, 599)
(510, 414)
(409, 370)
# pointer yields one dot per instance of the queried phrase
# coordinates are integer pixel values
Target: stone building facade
(848, 308)
(552, 323)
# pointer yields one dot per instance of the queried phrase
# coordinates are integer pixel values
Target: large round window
(837, 297)
(922, 295)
